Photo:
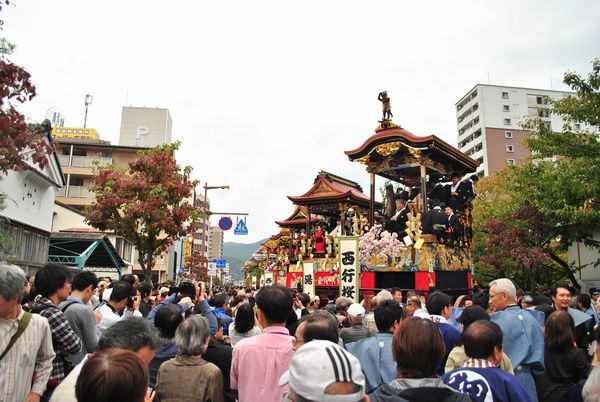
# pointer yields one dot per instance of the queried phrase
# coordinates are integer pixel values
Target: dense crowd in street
(67, 337)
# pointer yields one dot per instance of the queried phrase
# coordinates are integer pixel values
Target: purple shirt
(257, 364)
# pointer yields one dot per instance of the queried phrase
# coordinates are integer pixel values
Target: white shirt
(399, 211)
(109, 317)
(65, 392)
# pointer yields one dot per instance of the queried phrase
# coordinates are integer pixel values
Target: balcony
(84, 161)
(75, 192)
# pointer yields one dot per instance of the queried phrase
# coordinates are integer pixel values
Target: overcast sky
(264, 94)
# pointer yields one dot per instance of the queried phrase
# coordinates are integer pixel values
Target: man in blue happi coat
(375, 353)
(523, 332)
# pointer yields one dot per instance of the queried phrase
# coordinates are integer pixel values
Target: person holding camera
(196, 295)
(124, 302)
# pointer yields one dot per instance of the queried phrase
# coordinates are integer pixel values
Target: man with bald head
(523, 332)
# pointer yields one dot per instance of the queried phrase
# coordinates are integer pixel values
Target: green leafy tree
(147, 204)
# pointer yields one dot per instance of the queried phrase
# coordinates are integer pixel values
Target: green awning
(84, 250)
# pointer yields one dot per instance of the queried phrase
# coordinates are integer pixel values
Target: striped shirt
(479, 363)
(31, 353)
(64, 339)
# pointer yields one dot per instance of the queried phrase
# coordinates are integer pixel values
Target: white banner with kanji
(308, 279)
(268, 279)
(349, 268)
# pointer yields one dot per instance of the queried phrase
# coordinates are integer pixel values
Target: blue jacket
(225, 318)
(523, 331)
(375, 356)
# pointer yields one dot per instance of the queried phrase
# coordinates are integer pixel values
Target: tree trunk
(532, 281)
(145, 261)
(567, 270)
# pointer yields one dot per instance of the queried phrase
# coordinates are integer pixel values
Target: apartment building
(489, 119)
(215, 243)
(77, 157)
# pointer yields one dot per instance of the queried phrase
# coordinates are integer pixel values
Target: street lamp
(206, 188)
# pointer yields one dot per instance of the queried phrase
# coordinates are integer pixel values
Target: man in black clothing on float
(397, 223)
(435, 216)
(459, 193)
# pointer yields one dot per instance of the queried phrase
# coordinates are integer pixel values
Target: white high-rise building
(489, 118)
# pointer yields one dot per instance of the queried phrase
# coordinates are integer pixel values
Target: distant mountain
(237, 254)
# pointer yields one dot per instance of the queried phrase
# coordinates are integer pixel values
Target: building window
(510, 148)
(541, 100)
(577, 126)
(507, 122)
(504, 95)
(480, 159)
(506, 108)
(508, 134)
(510, 162)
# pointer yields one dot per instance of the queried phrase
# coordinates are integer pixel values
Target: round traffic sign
(225, 223)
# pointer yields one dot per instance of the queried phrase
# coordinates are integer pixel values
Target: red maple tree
(197, 264)
(149, 204)
(20, 143)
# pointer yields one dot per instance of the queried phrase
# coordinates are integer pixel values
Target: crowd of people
(84, 338)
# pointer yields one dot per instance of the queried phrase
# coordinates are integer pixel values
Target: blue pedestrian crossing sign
(240, 228)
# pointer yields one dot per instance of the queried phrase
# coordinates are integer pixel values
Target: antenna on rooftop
(88, 101)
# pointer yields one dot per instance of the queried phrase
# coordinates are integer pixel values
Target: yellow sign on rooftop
(74, 132)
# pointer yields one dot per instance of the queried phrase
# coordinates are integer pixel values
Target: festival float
(336, 237)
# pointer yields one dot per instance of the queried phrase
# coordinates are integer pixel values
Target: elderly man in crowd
(357, 330)
(522, 331)
(258, 362)
(26, 350)
(483, 345)
(323, 371)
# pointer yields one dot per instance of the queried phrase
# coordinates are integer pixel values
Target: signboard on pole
(268, 278)
(225, 223)
(349, 268)
(212, 269)
(308, 279)
(240, 228)
(187, 253)
(220, 263)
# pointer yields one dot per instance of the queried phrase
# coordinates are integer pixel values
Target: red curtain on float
(367, 282)
(422, 280)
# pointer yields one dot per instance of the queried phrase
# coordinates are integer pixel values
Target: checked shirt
(64, 340)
